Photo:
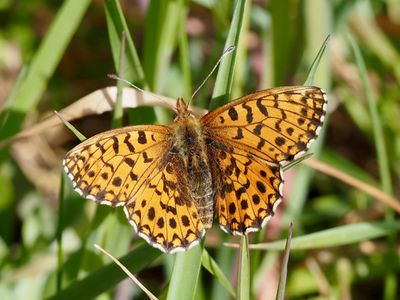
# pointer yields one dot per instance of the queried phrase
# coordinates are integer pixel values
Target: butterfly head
(182, 110)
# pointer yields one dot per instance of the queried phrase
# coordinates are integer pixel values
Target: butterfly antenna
(226, 52)
(116, 77)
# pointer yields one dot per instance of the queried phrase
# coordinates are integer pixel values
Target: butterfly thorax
(191, 147)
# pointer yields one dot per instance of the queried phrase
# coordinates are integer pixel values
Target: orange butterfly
(172, 179)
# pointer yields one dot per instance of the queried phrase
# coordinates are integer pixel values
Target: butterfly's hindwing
(247, 190)
(163, 211)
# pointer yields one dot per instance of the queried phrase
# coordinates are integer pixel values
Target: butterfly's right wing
(276, 125)
(247, 189)
(137, 167)
(248, 140)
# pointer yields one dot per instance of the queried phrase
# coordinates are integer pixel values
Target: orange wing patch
(164, 212)
(275, 125)
(247, 191)
(110, 167)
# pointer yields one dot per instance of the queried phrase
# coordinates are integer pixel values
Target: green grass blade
(223, 257)
(71, 127)
(313, 69)
(161, 34)
(304, 175)
(185, 274)
(241, 54)
(391, 285)
(43, 64)
(117, 109)
(184, 58)
(11, 98)
(60, 227)
(280, 40)
(211, 265)
(116, 24)
(280, 294)
(383, 161)
(223, 83)
(109, 275)
(338, 236)
(318, 27)
(243, 285)
(160, 40)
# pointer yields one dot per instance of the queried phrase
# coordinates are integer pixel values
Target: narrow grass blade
(224, 257)
(281, 40)
(184, 57)
(241, 71)
(373, 37)
(297, 161)
(60, 227)
(5, 113)
(243, 285)
(117, 109)
(313, 69)
(43, 64)
(280, 294)
(185, 274)
(318, 27)
(127, 272)
(211, 265)
(381, 152)
(71, 127)
(106, 277)
(300, 186)
(383, 162)
(338, 236)
(116, 23)
(160, 39)
(359, 184)
(223, 84)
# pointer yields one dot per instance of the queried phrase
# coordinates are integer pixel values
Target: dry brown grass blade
(96, 103)
(127, 272)
(369, 189)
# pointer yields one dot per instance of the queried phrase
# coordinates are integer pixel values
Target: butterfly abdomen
(189, 141)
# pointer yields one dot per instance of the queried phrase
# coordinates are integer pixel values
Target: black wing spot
(232, 208)
(117, 181)
(261, 107)
(280, 141)
(151, 213)
(142, 137)
(261, 187)
(233, 114)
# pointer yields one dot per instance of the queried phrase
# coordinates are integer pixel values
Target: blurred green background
(53, 53)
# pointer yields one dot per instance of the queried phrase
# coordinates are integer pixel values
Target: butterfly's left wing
(247, 142)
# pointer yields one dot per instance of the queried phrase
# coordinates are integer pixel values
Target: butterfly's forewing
(111, 167)
(133, 167)
(248, 140)
(275, 124)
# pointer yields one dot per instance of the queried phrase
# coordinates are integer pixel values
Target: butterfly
(173, 179)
